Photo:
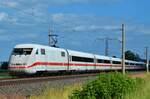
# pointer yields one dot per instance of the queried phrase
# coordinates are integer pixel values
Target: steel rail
(18, 81)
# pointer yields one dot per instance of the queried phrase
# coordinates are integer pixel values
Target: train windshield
(22, 51)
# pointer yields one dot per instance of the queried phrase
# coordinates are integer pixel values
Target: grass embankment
(5, 74)
(58, 93)
(107, 86)
(143, 92)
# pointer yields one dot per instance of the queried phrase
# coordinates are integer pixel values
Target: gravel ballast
(37, 88)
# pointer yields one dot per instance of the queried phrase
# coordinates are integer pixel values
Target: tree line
(129, 55)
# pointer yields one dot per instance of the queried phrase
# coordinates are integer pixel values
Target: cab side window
(43, 51)
(62, 54)
(37, 52)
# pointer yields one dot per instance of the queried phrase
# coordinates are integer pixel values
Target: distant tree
(114, 56)
(137, 57)
(4, 65)
(129, 55)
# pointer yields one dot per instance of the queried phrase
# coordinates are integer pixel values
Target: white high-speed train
(33, 58)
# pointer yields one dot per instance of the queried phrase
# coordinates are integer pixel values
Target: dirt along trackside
(139, 74)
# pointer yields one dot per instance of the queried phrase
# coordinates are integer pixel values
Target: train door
(111, 64)
(41, 60)
(68, 59)
(44, 59)
(95, 61)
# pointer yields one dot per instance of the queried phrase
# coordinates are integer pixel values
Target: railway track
(18, 81)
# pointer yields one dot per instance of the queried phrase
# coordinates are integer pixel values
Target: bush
(107, 86)
(4, 65)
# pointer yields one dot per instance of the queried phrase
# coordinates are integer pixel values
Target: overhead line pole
(52, 39)
(123, 49)
(147, 60)
(107, 47)
(49, 37)
(106, 40)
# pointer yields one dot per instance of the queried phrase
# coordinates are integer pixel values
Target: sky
(79, 24)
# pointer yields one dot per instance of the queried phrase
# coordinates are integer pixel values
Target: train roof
(36, 46)
(28, 45)
(78, 53)
(103, 57)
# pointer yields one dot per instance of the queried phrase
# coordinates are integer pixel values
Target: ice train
(33, 58)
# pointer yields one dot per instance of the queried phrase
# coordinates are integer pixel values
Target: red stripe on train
(65, 64)
(59, 64)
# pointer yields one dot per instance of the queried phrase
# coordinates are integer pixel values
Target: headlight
(18, 64)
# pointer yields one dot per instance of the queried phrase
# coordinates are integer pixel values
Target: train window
(116, 62)
(82, 59)
(100, 61)
(106, 61)
(131, 63)
(143, 64)
(63, 54)
(22, 51)
(126, 63)
(43, 51)
(17, 51)
(37, 51)
(137, 64)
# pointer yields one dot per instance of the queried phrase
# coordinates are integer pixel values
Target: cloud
(36, 10)
(9, 35)
(89, 1)
(58, 17)
(25, 15)
(3, 16)
(69, 23)
(2, 32)
(94, 23)
(138, 29)
(6, 18)
(72, 23)
(29, 36)
(7, 3)
(47, 3)
(90, 28)
(68, 2)
(5, 36)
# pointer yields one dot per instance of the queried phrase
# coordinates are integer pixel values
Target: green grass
(57, 93)
(5, 74)
(143, 92)
(108, 86)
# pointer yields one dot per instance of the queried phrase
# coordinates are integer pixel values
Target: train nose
(18, 62)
